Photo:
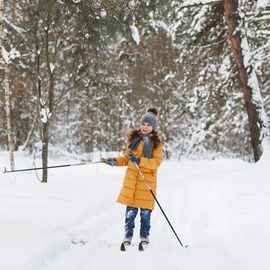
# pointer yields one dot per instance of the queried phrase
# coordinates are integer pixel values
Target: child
(144, 148)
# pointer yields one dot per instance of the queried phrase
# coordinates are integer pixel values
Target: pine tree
(248, 79)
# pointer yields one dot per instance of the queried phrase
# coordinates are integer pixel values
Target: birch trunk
(8, 115)
(7, 98)
(248, 79)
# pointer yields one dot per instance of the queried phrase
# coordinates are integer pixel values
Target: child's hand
(135, 160)
(111, 161)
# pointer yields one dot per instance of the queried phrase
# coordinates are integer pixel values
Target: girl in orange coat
(144, 148)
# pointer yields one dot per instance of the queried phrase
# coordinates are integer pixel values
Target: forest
(76, 75)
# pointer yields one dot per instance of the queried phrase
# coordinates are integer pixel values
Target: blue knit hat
(150, 117)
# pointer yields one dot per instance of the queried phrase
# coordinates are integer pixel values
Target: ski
(124, 246)
(143, 245)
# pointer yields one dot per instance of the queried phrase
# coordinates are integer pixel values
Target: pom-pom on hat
(150, 117)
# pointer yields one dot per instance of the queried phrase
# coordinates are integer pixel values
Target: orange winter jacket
(135, 192)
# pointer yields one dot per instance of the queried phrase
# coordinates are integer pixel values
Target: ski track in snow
(219, 208)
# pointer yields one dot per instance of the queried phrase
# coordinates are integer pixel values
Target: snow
(254, 85)
(9, 55)
(265, 159)
(45, 115)
(135, 34)
(52, 67)
(199, 20)
(220, 208)
(103, 13)
(170, 75)
(19, 30)
(156, 24)
(131, 4)
(197, 2)
(263, 3)
(5, 55)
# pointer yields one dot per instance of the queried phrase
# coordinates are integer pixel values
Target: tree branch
(204, 4)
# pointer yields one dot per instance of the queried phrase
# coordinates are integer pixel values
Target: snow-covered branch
(9, 55)
(261, 49)
(260, 18)
(18, 29)
(194, 3)
(263, 4)
(201, 2)
(135, 34)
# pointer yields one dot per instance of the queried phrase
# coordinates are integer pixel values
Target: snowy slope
(221, 208)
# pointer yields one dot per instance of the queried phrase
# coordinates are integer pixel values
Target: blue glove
(111, 161)
(135, 160)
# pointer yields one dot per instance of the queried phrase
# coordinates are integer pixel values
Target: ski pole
(160, 206)
(57, 166)
(186, 246)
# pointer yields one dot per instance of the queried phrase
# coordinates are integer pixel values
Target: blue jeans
(131, 213)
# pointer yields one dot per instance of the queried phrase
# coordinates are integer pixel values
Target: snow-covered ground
(220, 208)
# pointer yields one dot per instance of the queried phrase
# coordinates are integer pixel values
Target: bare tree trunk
(248, 80)
(7, 99)
(49, 107)
(45, 147)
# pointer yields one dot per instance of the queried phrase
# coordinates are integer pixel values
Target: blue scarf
(147, 144)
